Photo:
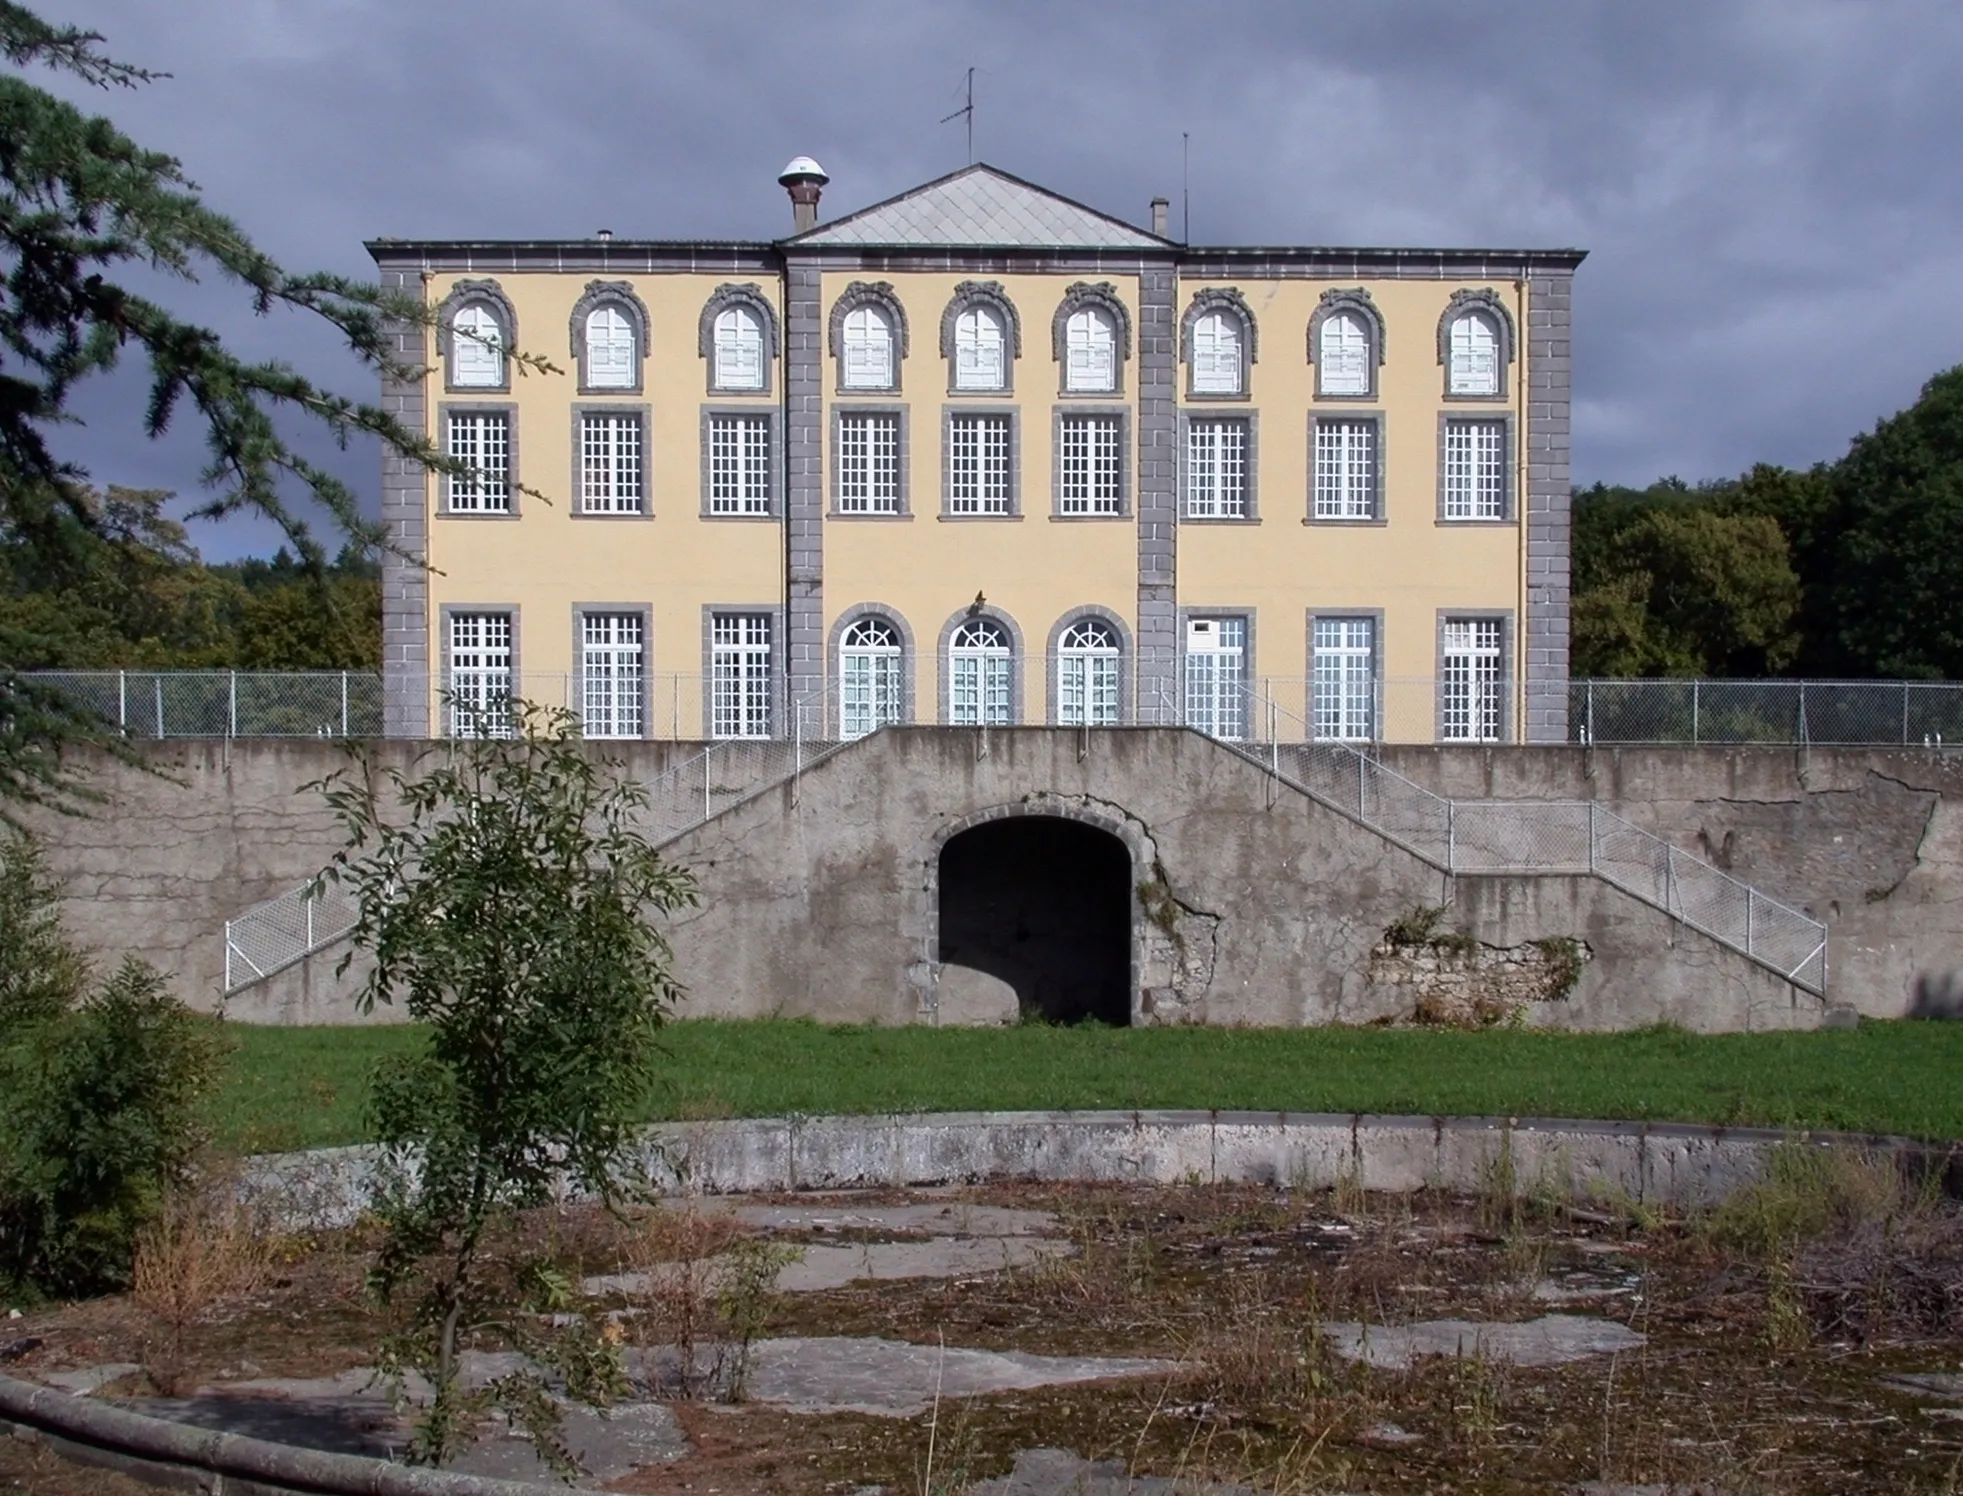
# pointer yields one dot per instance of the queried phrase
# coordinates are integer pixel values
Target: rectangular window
(1475, 470)
(739, 464)
(482, 439)
(1216, 676)
(1344, 678)
(868, 464)
(1087, 689)
(1090, 468)
(1472, 701)
(739, 651)
(610, 464)
(1216, 470)
(978, 465)
(480, 681)
(613, 674)
(1345, 469)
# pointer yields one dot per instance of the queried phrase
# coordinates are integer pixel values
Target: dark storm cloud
(1770, 190)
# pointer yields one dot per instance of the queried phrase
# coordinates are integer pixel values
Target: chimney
(804, 179)
(1159, 206)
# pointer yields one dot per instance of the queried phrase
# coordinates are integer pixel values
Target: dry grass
(202, 1248)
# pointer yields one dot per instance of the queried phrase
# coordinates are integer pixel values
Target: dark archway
(1044, 904)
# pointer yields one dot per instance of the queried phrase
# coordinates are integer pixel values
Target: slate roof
(980, 207)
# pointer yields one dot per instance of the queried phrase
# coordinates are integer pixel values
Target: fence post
(228, 958)
(1451, 836)
(232, 706)
(705, 782)
(1748, 923)
(1591, 709)
(344, 703)
(1670, 881)
(157, 683)
(1802, 712)
(1592, 867)
(307, 899)
(123, 702)
(1905, 714)
(1696, 709)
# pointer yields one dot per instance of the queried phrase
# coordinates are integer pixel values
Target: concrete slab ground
(1551, 1340)
(1058, 1472)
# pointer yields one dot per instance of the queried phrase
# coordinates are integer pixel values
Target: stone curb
(188, 1458)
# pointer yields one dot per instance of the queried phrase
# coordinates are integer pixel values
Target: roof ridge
(934, 212)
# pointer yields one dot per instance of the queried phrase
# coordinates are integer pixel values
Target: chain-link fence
(1830, 713)
(271, 936)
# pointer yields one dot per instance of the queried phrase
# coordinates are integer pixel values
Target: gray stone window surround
(779, 689)
(750, 296)
(945, 660)
(474, 292)
(1230, 301)
(1491, 305)
(767, 414)
(1058, 416)
(1507, 673)
(1358, 303)
(601, 293)
(1103, 296)
(901, 413)
(835, 650)
(625, 408)
(1509, 451)
(445, 612)
(1053, 657)
(949, 414)
(509, 410)
(854, 296)
(991, 295)
(1251, 419)
(576, 687)
(1246, 613)
(1380, 502)
(1376, 617)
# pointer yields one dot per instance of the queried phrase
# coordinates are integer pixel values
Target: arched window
(1087, 675)
(1343, 357)
(610, 354)
(477, 348)
(1475, 355)
(739, 349)
(1216, 354)
(980, 675)
(1090, 343)
(867, 350)
(871, 682)
(980, 349)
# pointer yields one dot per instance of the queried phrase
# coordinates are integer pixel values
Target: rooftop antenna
(1185, 187)
(969, 110)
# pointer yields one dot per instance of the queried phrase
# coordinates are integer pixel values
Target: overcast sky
(1769, 189)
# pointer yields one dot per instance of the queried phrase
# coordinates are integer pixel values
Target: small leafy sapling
(506, 896)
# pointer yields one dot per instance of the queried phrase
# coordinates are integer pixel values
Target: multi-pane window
(610, 463)
(871, 688)
(1216, 676)
(980, 675)
(978, 465)
(1087, 675)
(739, 349)
(980, 350)
(480, 675)
(1475, 470)
(1344, 678)
(1345, 469)
(1090, 465)
(739, 464)
(1343, 356)
(739, 675)
(1475, 355)
(868, 463)
(867, 350)
(1216, 354)
(613, 674)
(1216, 470)
(1090, 352)
(483, 440)
(1472, 703)
(610, 357)
(477, 349)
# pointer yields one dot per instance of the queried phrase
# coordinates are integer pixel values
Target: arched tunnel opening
(1043, 904)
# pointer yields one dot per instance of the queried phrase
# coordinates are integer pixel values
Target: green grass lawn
(305, 1087)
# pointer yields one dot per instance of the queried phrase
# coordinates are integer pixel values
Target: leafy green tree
(505, 898)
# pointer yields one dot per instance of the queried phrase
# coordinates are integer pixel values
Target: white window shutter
(1216, 355)
(1344, 356)
(739, 350)
(477, 348)
(868, 349)
(1475, 356)
(978, 350)
(609, 349)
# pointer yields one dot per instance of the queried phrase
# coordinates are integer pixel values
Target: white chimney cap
(805, 167)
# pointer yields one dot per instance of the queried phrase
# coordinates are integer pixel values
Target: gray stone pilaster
(1549, 375)
(1158, 484)
(405, 510)
(804, 497)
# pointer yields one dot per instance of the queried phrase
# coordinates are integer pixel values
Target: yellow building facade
(982, 455)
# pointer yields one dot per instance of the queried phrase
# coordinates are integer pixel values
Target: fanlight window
(1475, 346)
(609, 349)
(1087, 675)
(980, 352)
(1216, 354)
(477, 348)
(868, 350)
(1343, 357)
(1090, 347)
(870, 679)
(739, 350)
(980, 674)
